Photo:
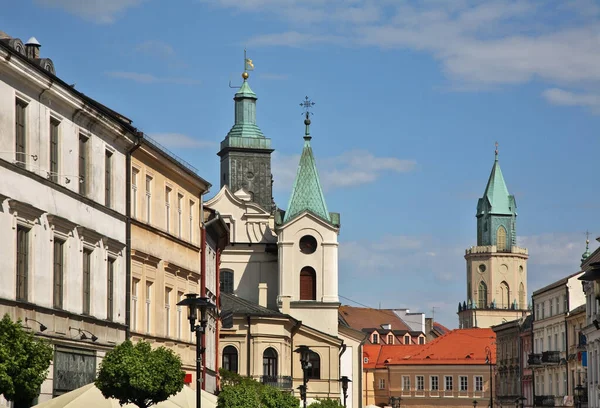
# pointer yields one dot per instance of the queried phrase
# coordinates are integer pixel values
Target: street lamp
(520, 402)
(395, 402)
(475, 403)
(345, 380)
(579, 395)
(304, 352)
(193, 302)
(488, 360)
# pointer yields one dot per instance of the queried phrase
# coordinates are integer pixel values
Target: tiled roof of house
(360, 318)
(457, 347)
(440, 328)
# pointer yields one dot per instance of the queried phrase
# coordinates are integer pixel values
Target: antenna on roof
(433, 313)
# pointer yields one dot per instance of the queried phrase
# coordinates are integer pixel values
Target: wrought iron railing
(544, 400)
(278, 381)
(551, 357)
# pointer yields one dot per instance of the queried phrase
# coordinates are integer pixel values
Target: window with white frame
(382, 383)
(479, 383)
(179, 214)
(134, 192)
(375, 338)
(464, 383)
(110, 285)
(134, 303)
(192, 221)
(148, 199)
(407, 339)
(421, 340)
(448, 386)
(179, 314)
(168, 208)
(420, 383)
(405, 383)
(434, 383)
(390, 339)
(167, 312)
(148, 306)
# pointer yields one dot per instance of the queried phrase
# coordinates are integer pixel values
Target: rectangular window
(83, 162)
(20, 134)
(134, 190)
(434, 383)
(448, 383)
(168, 208)
(59, 262)
(110, 279)
(382, 384)
(148, 198)
(134, 303)
(179, 314)
(420, 383)
(179, 214)
(405, 383)
(167, 312)
(54, 149)
(479, 383)
(107, 178)
(87, 280)
(22, 262)
(464, 383)
(148, 305)
(375, 339)
(421, 340)
(552, 308)
(191, 221)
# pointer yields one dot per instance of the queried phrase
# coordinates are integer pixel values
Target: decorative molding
(113, 246)
(25, 213)
(89, 236)
(144, 257)
(61, 226)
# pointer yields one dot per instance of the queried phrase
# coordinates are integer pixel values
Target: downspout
(129, 153)
(203, 278)
(218, 290)
(248, 347)
(567, 336)
(342, 351)
(295, 330)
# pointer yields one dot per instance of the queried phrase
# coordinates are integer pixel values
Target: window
(464, 383)
(226, 281)
(20, 134)
(552, 308)
(501, 238)
(314, 372)
(168, 208)
(148, 305)
(107, 178)
(191, 221)
(382, 383)
(180, 317)
(54, 149)
(420, 383)
(375, 338)
(434, 383)
(390, 339)
(87, 280)
(308, 244)
(407, 339)
(270, 362)
(167, 312)
(134, 303)
(83, 160)
(482, 294)
(405, 383)
(148, 198)
(478, 383)
(22, 262)
(59, 272)
(421, 340)
(179, 213)
(522, 304)
(366, 360)
(134, 190)
(308, 284)
(504, 295)
(448, 383)
(110, 273)
(230, 359)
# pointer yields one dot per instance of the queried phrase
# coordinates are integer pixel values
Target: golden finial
(245, 75)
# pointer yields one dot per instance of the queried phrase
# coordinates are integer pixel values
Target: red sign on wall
(187, 379)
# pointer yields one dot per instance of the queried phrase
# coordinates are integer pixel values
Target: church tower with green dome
(496, 266)
(245, 152)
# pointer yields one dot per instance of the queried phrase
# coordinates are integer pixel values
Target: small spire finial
(496, 151)
(587, 253)
(248, 66)
(306, 105)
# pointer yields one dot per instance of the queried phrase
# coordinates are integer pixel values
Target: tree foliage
(24, 362)
(326, 403)
(243, 392)
(138, 375)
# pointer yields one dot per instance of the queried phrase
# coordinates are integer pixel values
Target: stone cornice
(144, 257)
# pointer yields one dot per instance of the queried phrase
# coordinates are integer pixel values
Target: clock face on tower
(308, 244)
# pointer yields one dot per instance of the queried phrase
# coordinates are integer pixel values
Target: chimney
(32, 48)
(262, 294)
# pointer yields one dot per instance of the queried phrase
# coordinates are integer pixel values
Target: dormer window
(375, 338)
(390, 339)
(407, 339)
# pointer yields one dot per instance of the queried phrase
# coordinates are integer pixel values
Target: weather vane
(587, 236)
(306, 105)
(248, 66)
(496, 148)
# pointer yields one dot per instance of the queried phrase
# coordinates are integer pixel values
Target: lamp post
(488, 360)
(578, 395)
(304, 352)
(475, 403)
(193, 302)
(345, 380)
(520, 402)
(395, 402)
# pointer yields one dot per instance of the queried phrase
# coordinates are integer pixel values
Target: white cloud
(180, 141)
(294, 39)
(99, 11)
(350, 169)
(155, 48)
(566, 98)
(146, 78)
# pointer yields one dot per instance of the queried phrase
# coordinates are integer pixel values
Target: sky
(410, 97)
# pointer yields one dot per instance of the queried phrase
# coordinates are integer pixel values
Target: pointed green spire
(307, 194)
(496, 191)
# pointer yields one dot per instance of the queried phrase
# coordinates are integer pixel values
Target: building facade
(496, 267)
(591, 329)
(62, 214)
(526, 341)
(576, 356)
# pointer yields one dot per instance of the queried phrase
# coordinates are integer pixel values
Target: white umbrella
(89, 396)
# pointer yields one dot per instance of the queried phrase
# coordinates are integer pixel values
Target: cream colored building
(168, 248)
(576, 342)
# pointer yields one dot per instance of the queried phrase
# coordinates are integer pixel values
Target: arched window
(482, 294)
(308, 284)
(522, 296)
(226, 281)
(314, 371)
(269, 364)
(501, 238)
(504, 295)
(230, 359)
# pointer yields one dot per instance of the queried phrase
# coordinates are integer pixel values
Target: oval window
(482, 268)
(308, 244)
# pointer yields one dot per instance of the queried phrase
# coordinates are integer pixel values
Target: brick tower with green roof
(246, 153)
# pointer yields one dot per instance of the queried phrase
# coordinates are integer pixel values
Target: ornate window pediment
(61, 227)
(24, 213)
(89, 237)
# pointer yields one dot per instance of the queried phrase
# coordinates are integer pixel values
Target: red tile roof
(360, 318)
(457, 347)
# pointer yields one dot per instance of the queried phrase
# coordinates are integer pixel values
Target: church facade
(496, 266)
(279, 274)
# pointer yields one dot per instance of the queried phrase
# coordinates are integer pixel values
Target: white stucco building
(62, 214)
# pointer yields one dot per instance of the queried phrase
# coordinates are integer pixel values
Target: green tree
(244, 392)
(24, 362)
(326, 403)
(139, 375)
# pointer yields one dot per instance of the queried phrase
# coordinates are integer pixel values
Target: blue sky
(410, 98)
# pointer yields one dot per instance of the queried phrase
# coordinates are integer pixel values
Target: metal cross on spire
(587, 236)
(306, 105)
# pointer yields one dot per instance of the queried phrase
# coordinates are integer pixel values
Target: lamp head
(304, 352)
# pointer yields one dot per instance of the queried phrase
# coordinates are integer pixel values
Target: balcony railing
(534, 359)
(551, 357)
(283, 382)
(544, 400)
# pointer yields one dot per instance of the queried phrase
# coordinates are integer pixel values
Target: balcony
(281, 382)
(551, 357)
(544, 401)
(534, 359)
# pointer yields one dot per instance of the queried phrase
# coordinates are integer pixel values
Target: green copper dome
(587, 253)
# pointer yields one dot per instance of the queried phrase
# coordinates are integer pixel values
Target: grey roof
(237, 305)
